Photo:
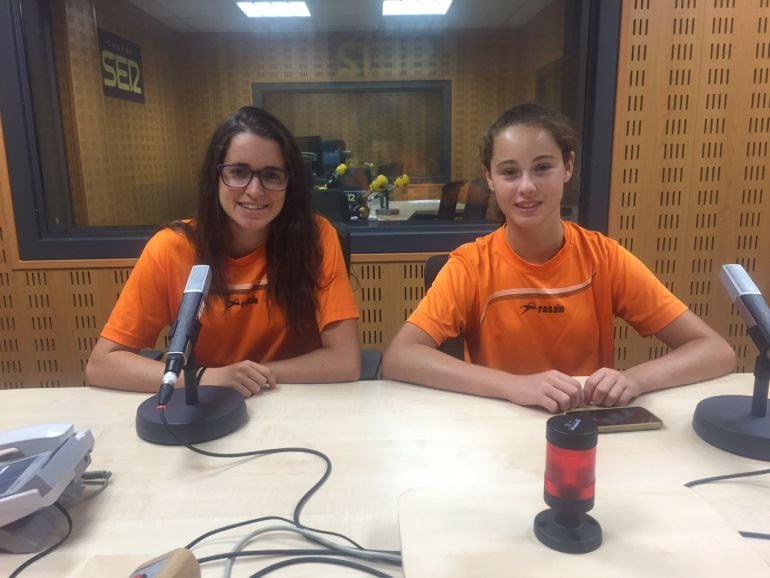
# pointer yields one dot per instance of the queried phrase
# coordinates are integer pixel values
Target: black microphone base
(219, 411)
(584, 537)
(726, 422)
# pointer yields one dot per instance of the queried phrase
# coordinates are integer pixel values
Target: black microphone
(184, 330)
(749, 303)
(205, 412)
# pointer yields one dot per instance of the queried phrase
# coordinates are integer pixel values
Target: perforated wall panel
(690, 153)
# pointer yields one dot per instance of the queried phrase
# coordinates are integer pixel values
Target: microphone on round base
(205, 413)
(218, 412)
(569, 486)
(729, 423)
(739, 424)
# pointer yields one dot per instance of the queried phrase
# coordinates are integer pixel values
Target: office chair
(454, 346)
(447, 206)
(354, 179)
(332, 204)
(371, 359)
(477, 200)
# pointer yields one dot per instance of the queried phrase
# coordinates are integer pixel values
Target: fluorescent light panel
(274, 9)
(415, 7)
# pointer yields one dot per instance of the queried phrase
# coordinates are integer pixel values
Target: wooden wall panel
(387, 293)
(690, 153)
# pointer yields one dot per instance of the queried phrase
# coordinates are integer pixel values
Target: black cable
(300, 504)
(316, 560)
(757, 535)
(235, 525)
(259, 453)
(96, 475)
(202, 537)
(50, 549)
(273, 552)
(725, 477)
(745, 534)
(318, 554)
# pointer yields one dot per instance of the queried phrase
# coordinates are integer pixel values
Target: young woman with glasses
(280, 307)
(536, 299)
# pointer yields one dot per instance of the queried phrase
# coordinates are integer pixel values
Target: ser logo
(121, 72)
(541, 308)
(121, 62)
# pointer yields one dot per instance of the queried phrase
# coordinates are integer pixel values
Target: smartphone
(612, 419)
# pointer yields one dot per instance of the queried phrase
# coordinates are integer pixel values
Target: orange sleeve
(447, 307)
(144, 307)
(336, 301)
(639, 297)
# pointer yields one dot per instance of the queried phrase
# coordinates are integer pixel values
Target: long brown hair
(293, 250)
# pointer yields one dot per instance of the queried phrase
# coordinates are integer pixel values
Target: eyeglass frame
(258, 174)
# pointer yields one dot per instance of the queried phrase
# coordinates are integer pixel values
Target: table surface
(407, 460)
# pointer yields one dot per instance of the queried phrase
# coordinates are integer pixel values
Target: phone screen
(612, 419)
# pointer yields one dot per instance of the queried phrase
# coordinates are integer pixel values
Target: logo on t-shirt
(557, 308)
(244, 294)
(524, 294)
(238, 302)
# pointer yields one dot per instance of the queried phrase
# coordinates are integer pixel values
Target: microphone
(738, 423)
(205, 412)
(749, 303)
(569, 486)
(184, 330)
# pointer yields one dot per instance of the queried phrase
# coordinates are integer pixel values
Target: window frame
(261, 89)
(596, 63)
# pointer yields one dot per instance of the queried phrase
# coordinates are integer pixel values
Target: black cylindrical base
(219, 411)
(726, 421)
(584, 537)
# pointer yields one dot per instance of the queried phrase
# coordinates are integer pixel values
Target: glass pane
(127, 92)
(368, 127)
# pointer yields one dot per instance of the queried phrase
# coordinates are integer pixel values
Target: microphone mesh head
(199, 280)
(736, 281)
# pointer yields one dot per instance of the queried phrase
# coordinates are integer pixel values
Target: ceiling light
(415, 7)
(274, 9)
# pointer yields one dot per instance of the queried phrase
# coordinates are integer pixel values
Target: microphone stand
(204, 413)
(191, 380)
(739, 423)
(759, 401)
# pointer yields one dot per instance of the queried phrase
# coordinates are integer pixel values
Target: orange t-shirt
(525, 318)
(244, 325)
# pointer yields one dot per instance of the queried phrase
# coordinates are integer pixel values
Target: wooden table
(445, 476)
